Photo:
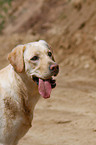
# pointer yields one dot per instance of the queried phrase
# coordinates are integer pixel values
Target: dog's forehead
(35, 48)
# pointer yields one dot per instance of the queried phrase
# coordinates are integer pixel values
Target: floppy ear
(16, 58)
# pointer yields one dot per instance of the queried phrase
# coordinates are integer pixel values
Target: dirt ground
(69, 26)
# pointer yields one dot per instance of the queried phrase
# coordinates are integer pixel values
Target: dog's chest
(18, 119)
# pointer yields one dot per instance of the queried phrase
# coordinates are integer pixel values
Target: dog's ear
(16, 58)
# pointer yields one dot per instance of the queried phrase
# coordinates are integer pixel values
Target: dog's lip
(51, 79)
(45, 86)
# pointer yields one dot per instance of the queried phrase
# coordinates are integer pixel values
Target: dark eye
(34, 58)
(49, 54)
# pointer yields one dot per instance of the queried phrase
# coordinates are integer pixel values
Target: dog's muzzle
(46, 85)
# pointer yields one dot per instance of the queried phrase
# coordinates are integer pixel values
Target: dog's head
(36, 60)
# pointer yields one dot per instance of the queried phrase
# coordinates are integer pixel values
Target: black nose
(54, 68)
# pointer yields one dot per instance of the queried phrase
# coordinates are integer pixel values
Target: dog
(22, 82)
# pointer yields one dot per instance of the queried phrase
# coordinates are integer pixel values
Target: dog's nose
(54, 68)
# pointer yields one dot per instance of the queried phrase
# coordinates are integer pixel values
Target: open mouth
(45, 86)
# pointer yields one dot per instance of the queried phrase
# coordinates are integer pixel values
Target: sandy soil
(69, 116)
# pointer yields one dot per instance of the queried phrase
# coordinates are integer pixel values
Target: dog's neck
(29, 89)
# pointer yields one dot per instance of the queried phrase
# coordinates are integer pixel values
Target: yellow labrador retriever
(28, 76)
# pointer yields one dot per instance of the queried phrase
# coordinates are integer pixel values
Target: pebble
(86, 66)
(77, 4)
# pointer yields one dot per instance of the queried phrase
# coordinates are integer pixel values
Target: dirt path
(68, 117)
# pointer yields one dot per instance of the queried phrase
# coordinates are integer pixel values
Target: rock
(77, 4)
(95, 38)
(86, 66)
(78, 38)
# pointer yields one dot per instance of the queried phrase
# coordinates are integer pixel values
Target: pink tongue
(44, 88)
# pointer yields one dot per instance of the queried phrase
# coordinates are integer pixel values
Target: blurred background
(69, 26)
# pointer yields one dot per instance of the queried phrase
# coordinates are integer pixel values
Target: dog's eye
(34, 58)
(49, 54)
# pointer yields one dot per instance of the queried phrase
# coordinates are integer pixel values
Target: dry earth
(69, 116)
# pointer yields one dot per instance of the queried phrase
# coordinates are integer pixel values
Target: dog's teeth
(53, 77)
